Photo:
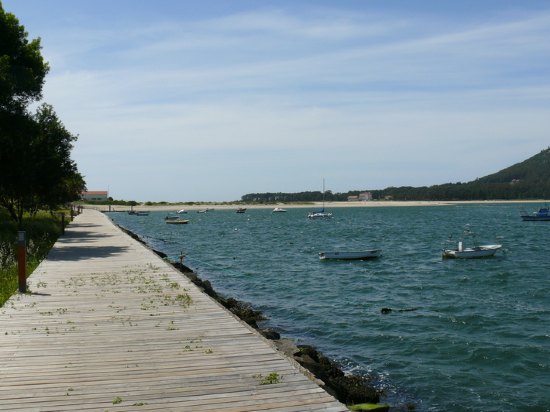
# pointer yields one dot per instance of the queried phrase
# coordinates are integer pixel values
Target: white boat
(471, 252)
(346, 255)
(179, 212)
(278, 210)
(320, 213)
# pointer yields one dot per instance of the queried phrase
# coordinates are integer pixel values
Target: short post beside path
(108, 325)
(22, 261)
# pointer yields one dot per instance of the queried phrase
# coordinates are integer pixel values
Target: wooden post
(22, 261)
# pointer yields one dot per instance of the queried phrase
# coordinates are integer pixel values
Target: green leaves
(36, 169)
(22, 68)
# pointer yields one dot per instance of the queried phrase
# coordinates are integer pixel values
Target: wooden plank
(109, 325)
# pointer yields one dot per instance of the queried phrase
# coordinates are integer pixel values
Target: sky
(210, 100)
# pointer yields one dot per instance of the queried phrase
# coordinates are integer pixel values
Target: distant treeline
(450, 191)
(526, 180)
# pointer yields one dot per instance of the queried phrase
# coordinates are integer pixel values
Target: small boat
(471, 252)
(241, 210)
(358, 255)
(179, 212)
(142, 213)
(542, 215)
(320, 213)
(177, 221)
(171, 217)
(278, 210)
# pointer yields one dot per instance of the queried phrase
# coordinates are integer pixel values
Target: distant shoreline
(310, 205)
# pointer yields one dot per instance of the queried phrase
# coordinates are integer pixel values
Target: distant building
(95, 195)
(365, 196)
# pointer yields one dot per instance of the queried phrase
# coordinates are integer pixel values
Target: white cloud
(378, 98)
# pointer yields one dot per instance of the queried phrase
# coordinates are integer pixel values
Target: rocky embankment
(348, 389)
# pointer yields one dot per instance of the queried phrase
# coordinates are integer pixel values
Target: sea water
(463, 335)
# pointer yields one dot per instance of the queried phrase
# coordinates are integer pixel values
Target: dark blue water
(478, 337)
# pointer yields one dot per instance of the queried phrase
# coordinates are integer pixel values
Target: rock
(161, 254)
(346, 388)
(270, 334)
(244, 311)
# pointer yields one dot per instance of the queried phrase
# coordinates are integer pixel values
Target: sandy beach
(311, 205)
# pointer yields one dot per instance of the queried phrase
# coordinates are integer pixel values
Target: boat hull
(542, 215)
(319, 215)
(472, 253)
(533, 218)
(177, 222)
(359, 255)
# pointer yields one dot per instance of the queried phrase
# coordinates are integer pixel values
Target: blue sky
(210, 100)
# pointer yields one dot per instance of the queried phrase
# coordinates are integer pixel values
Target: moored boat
(278, 210)
(320, 213)
(471, 252)
(177, 221)
(543, 214)
(241, 210)
(351, 255)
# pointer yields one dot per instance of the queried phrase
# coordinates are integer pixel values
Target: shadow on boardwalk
(80, 253)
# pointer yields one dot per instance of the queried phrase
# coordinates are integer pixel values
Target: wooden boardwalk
(110, 326)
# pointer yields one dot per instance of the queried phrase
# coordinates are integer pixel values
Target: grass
(41, 230)
(270, 379)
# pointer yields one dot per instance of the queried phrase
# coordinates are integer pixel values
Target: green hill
(535, 170)
(529, 179)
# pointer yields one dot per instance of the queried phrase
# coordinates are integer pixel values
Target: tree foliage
(36, 170)
(22, 68)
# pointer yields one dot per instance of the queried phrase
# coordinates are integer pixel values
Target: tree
(22, 68)
(36, 170)
(57, 178)
(35, 164)
(15, 181)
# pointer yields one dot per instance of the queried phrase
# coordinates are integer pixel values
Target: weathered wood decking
(110, 326)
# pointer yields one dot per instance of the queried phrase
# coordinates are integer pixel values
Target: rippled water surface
(477, 337)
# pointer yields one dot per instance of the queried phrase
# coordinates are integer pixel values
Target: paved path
(109, 326)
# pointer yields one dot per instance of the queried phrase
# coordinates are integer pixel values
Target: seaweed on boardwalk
(348, 389)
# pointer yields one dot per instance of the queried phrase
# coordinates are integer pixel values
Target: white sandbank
(310, 205)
